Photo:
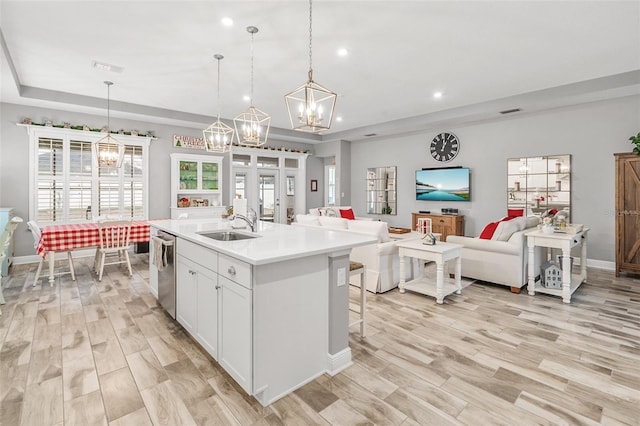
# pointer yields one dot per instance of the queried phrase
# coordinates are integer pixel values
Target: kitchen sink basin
(228, 235)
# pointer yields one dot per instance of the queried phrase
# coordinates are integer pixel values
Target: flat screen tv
(443, 184)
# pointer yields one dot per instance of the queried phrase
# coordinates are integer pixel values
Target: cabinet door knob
(441, 220)
(192, 272)
(217, 286)
(231, 270)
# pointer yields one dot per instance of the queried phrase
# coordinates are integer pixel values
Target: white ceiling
(483, 55)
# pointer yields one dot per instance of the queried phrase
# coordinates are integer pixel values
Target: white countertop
(275, 243)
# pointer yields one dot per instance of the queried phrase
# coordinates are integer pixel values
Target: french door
(269, 196)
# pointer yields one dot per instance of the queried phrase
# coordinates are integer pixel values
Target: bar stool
(357, 268)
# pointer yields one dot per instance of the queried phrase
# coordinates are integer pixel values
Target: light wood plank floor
(84, 353)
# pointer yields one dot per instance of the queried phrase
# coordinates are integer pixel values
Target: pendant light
(252, 125)
(109, 150)
(311, 105)
(218, 136)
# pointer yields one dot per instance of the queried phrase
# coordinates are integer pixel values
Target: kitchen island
(272, 310)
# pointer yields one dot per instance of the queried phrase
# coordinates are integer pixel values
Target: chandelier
(218, 136)
(109, 150)
(311, 105)
(252, 125)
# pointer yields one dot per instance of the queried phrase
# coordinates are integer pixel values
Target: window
(68, 187)
(330, 185)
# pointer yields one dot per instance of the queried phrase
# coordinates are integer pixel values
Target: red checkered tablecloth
(75, 236)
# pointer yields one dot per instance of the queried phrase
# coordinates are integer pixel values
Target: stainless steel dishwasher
(167, 275)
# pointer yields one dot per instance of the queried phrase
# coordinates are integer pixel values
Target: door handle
(217, 286)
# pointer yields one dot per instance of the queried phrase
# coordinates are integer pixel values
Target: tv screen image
(443, 185)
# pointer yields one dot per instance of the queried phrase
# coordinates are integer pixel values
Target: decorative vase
(547, 229)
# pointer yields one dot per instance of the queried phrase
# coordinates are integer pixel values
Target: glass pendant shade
(109, 151)
(218, 136)
(311, 107)
(252, 126)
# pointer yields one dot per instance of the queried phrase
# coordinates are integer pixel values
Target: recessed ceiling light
(343, 52)
(227, 22)
(437, 95)
(338, 118)
(246, 98)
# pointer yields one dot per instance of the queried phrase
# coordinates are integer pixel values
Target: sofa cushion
(515, 212)
(375, 227)
(314, 212)
(506, 228)
(308, 219)
(531, 221)
(489, 230)
(347, 214)
(333, 222)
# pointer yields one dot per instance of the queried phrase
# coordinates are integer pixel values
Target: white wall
(14, 161)
(591, 133)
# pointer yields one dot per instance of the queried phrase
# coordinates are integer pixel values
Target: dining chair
(114, 241)
(5, 242)
(36, 232)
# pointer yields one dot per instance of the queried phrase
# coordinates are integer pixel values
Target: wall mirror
(381, 190)
(539, 184)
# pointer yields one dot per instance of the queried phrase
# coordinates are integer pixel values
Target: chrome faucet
(251, 219)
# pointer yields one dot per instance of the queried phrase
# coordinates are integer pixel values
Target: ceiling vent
(102, 66)
(371, 134)
(510, 111)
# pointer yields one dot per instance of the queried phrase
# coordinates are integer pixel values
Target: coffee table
(439, 253)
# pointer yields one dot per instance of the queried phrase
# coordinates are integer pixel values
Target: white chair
(35, 230)
(114, 240)
(5, 242)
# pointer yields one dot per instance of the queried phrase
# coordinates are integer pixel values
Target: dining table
(73, 236)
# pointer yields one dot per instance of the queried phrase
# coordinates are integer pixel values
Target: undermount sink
(228, 235)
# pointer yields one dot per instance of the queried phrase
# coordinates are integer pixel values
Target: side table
(565, 242)
(439, 253)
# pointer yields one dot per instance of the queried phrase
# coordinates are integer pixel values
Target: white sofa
(334, 211)
(380, 259)
(502, 260)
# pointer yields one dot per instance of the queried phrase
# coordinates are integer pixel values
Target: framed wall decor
(314, 185)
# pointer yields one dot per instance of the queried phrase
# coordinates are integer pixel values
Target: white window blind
(68, 187)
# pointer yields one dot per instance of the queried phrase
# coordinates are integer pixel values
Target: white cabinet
(186, 293)
(207, 311)
(235, 332)
(196, 185)
(197, 294)
(6, 214)
(214, 304)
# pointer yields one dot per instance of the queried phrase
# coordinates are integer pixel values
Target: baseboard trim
(338, 362)
(601, 264)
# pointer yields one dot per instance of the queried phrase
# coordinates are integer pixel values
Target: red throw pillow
(347, 214)
(515, 212)
(488, 230)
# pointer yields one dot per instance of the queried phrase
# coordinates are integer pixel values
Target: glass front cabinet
(539, 184)
(196, 186)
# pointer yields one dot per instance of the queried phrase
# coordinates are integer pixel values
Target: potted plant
(636, 141)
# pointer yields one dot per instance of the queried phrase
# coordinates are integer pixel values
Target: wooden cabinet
(627, 213)
(196, 185)
(442, 224)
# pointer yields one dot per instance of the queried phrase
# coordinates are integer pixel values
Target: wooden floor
(85, 353)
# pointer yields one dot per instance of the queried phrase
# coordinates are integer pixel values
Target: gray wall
(14, 161)
(591, 133)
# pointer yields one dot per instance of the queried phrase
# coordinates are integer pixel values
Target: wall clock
(444, 147)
